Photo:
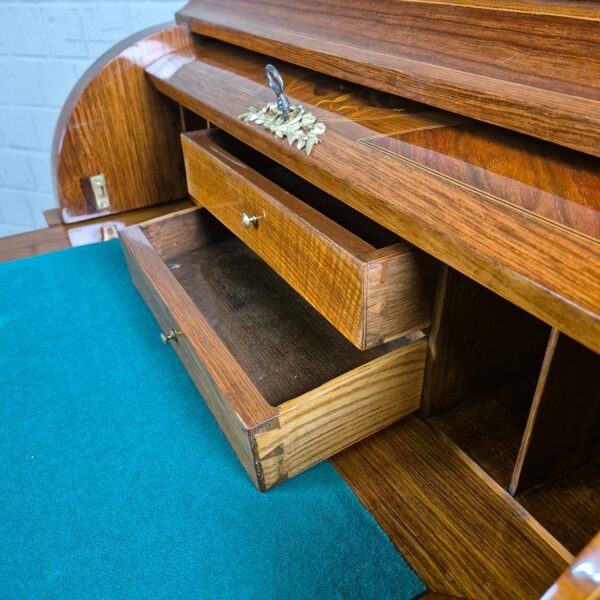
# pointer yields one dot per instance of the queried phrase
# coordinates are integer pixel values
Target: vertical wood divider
(478, 342)
(563, 429)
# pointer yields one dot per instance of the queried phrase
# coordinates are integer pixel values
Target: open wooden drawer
(368, 283)
(285, 386)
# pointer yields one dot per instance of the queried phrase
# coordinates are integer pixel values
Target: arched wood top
(115, 123)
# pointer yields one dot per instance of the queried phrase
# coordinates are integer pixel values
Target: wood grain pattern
(32, 243)
(581, 580)
(489, 428)
(145, 268)
(464, 538)
(370, 297)
(284, 345)
(568, 506)
(359, 392)
(174, 309)
(180, 233)
(544, 265)
(59, 236)
(115, 123)
(400, 282)
(563, 429)
(478, 343)
(324, 421)
(530, 66)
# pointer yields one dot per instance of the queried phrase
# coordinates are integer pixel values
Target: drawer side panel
(219, 404)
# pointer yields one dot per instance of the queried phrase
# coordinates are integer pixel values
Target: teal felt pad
(115, 480)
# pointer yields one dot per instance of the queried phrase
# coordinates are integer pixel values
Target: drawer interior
(285, 386)
(284, 345)
(356, 223)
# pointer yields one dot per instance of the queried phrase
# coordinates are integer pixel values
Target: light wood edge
(182, 233)
(245, 400)
(580, 580)
(320, 423)
(537, 397)
(236, 410)
(346, 241)
(157, 220)
(527, 518)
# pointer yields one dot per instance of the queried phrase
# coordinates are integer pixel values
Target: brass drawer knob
(167, 337)
(250, 220)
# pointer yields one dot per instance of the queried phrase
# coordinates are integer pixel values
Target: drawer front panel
(371, 295)
(313, 254)
(345, 410)
(158, 288)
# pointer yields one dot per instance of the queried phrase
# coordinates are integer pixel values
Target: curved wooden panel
(581, 581)
(115, 123)
(529, 65)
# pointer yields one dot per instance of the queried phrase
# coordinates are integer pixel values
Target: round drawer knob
(250, 220)
(167, 337)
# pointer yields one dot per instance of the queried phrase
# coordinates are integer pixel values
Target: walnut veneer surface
(517, 215)
(529, 65)
(370, 295)
(115, 123)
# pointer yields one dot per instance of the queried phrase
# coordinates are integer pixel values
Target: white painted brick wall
(44, 49)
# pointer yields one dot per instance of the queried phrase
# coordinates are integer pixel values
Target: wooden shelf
(489, 428)
(464, 538)
(568, 506)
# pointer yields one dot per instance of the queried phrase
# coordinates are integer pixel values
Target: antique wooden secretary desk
(395, 226)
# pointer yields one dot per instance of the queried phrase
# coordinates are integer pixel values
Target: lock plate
(99, 191)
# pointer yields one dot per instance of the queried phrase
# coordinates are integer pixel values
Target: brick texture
(44, 49)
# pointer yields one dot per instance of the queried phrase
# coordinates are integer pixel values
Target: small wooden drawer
(368, 283)
(285, 386)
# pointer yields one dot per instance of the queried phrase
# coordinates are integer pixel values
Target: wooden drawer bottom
(285, 386)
